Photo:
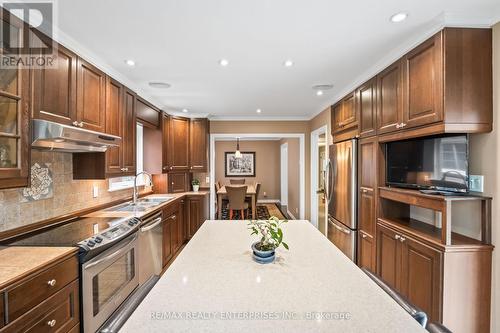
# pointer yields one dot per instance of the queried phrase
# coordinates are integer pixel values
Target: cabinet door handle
(363, 236)
(173, 217)
(364, 190)
(402, 239)
(51, 323)
(398, 125)
(170, 168)
(403, 125)
(75, 123)
(165, 168)
(397, 237)
(51, 282)
(80, 124)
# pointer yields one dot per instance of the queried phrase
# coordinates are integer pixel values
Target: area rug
(264, 211)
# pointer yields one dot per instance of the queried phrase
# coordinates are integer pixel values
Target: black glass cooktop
(70, 233)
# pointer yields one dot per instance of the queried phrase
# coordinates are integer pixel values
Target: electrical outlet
(265, 194)
(95, 191)
(476, 183)
(207, 180)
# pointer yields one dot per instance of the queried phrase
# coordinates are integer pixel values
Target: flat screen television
(434, 163)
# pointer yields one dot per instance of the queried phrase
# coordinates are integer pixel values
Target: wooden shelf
(402, 199)
(427, 232)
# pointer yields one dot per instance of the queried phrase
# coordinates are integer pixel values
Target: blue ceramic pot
(262, 257)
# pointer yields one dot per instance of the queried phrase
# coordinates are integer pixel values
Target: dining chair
(237, 181)
(249, 199)
(236, 195)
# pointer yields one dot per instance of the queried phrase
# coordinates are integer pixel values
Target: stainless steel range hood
(54, 136)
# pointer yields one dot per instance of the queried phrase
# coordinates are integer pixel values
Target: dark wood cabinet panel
(62, 309)
(366, 97)
(198, 143)
(349, 115)
(423, 84)
(15, 140)
(54, 89)
(147, 114)
(91, 93)
(2, 311)
(336, 117)
(389, 99)
(421, 276)
(129, 132)
(178, 144)
(114, 125)
(194, 215)
(167, 241)
(172, 231)
(178, 182)
(367, 159)
(366, 251)
(388, 256)
(165, 120)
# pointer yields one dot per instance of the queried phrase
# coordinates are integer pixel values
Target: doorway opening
(319, 158)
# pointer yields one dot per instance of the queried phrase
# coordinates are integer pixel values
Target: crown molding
(259, 118)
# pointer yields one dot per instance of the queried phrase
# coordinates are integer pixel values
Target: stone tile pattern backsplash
(68, 195)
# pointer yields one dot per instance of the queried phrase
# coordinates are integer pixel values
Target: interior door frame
(302, 173)
(314, 167)
(284, 174)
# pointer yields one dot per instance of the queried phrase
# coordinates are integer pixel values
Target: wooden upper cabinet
(336, 117)
(165, 120)
(198, 143)
(367, 108)
(54, 89)
(114, 124)
(423, 84)
(367, 176)
(389, 99)
(421, 276)
(344, 114)
(91, 96)
(129, 131)
(14, 118)
(349, 115)
(147, 114)
(178, 144)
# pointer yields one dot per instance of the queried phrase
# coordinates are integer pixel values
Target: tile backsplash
(67, 195)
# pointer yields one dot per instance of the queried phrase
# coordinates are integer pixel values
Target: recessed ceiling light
(258, 110)
(399, 17)
(319, 93)
(224, 62)
(159, 85)
(185, 110)
(130, 62)
(288, 63)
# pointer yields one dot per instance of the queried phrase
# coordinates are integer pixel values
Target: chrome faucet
(135, 183)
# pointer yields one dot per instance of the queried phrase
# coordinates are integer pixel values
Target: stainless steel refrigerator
(342, 196)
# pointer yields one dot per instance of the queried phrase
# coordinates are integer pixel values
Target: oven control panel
(110, 235)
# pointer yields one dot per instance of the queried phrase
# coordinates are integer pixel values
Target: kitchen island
(215, 286)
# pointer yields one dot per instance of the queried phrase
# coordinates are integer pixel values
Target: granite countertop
(17, 262)
(215, 286)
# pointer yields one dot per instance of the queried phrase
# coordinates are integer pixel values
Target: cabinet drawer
(32, 292)
(59, 313)
(171, 209)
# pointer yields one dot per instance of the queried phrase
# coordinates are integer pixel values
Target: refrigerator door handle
(331, 180)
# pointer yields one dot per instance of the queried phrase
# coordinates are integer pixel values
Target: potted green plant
(271, 238)
(196, 184)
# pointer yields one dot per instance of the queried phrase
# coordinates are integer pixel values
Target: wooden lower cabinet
(366, 251)
(172, 231)
(451, 284)
(45, 301)
(59, 313)
(197, 213)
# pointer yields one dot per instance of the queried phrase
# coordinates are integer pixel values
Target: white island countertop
(215, 286)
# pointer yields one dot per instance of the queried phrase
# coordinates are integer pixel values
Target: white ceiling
(182, 41)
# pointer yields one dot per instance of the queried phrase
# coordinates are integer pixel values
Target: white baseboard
(268, 201)
(290, 215)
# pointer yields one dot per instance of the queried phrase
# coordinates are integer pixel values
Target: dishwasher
(150, 248)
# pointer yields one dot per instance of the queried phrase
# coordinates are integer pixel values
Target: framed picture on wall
(240, 167)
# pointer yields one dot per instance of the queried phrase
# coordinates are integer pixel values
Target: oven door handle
(151, 226)
(117, 253)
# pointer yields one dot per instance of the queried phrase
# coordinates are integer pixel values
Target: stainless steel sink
(142, 205)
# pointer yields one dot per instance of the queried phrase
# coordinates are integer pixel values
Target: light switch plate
(207, 180)
(476, 183)
(95, 191)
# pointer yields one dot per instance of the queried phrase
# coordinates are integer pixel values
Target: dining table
(250, 193)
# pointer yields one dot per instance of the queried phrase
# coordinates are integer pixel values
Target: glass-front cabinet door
(14, 106)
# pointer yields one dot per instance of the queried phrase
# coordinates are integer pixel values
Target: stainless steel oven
(107, 280)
